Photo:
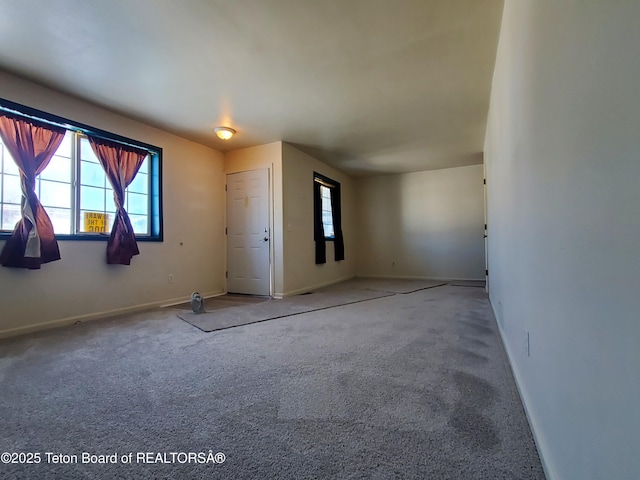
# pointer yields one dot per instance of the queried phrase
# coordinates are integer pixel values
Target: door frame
(486, 226)
(270, 222)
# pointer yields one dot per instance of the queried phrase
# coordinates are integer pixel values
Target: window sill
(88, 238)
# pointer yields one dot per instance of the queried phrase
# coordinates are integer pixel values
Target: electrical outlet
(170, 278)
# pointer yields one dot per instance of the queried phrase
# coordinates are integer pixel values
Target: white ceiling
(370, 86)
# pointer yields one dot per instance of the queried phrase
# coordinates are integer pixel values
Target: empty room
(304, 239)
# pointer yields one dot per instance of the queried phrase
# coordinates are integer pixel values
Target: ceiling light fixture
(224, 133)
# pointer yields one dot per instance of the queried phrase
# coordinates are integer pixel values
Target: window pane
(59, 169)
(61, 220)
(91, 228)
(64, 150)
(12, 191)
(140, 184)
(140, 224)
(9, 165)
(92, 174)
(92, 198)
(144, 168)
(10, 216)
(327, 223)
(328, 231)
(137, 203)
(110, 202)
(86, 152)
(55, 194)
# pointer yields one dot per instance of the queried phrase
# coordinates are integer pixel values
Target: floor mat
(332, 296)
(223, 301)
(223, 312)
(394, 285)
(467, 283)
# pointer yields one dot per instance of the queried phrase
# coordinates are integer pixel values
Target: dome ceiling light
(224, 133)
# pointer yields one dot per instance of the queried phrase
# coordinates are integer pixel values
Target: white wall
(82, 285)
(423, 225)
(255, 158)
(300, 270)
(562, 155)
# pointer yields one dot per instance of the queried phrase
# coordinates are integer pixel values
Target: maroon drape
(121, 164)
(32, 144)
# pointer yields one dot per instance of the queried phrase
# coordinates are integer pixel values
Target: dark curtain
(318, 229)
(336, 214)
(121, 164)
(32, 144)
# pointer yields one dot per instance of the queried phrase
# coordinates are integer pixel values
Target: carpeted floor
(413, 386)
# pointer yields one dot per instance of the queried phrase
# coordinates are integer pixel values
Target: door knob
(266, 239)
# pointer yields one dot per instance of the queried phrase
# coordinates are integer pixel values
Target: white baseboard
(543, 450)
(12, 332)
(311, 287)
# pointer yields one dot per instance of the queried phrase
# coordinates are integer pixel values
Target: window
(327, 217)
(95, 194)
(74, 189)
(10, 191)
(54, 186)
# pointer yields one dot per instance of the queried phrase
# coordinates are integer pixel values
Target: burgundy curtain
(336, 214)
(121, 163)
(32, 144)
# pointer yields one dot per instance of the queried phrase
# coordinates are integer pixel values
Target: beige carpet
(413, 386)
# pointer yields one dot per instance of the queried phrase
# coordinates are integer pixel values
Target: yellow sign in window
(96, 222)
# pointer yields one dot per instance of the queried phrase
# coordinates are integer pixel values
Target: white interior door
(248, 235)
